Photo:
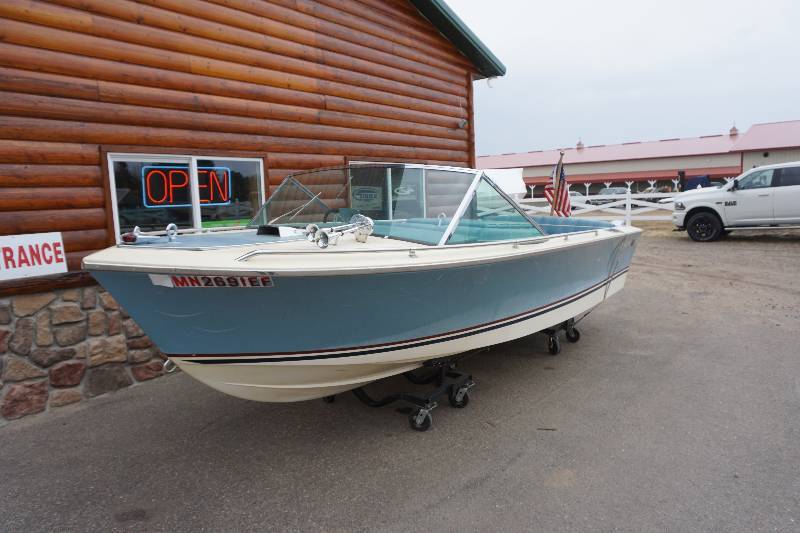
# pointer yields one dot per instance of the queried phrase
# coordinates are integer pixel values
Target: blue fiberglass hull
(323, 313)
(310, 336)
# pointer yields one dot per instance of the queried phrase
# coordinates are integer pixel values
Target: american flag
(557, 192)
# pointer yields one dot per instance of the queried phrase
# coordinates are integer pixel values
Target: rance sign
(169, 186)
(37, 254)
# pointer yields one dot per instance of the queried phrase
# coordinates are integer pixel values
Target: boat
(352, 274)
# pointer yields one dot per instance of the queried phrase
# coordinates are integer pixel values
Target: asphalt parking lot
(679, 410)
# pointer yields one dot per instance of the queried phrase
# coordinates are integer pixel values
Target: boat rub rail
(389, 259)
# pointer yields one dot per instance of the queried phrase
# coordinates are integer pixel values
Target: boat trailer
(449, 381)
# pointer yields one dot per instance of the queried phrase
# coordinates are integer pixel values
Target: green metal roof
(454, 29)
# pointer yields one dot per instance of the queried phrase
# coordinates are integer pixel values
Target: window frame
(482, 176)
(191, 161)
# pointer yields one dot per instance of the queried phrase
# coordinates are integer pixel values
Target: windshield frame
(477, 176)
(462, 208)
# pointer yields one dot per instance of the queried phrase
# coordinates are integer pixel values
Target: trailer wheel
(459, 398)
(553, 345)
(420, 421)
(573, 335)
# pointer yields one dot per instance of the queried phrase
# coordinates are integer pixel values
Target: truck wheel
(704, 227)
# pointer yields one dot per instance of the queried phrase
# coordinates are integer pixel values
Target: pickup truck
(766, 197)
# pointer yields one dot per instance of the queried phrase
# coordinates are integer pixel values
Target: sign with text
(168, 186)
(35, 254)
(367, 198)
(200, 281)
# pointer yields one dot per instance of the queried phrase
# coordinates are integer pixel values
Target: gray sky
(632, 70)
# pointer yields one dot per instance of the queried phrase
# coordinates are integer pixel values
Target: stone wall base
(60, 347)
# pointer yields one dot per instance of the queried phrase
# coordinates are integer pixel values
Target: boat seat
(430, 231)
(421, 230)
(556, 225)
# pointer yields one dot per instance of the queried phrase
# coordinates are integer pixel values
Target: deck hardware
(360, 225)
(172, 231)
(169, 366)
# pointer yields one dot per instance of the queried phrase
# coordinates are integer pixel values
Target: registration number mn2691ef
(201, 282)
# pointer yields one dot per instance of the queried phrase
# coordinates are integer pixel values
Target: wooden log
(74, 259)
(49, 175)
(285, 206)
(62, 63)
(23, 33)
(307, 72)
(149, 16)
(14, 151)
(338, 33)
(38, 198)
(77, 241)
(346, 26)
(330, 189)
(303, 161)
(379, 16)
(69, 109)
(276, 176)
(69, 280)
(255, 21)
(439, 162)
(404, 13)
(12, 79)
(24, 128)
(70, 87)
(14, 222)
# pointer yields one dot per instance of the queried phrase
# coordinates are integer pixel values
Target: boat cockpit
(421, 204)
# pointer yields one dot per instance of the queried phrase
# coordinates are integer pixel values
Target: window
(789, 176)
(151, 191)
(756, 180)
(387, 192)
(490, 217)
(409, 203)
(444, 190)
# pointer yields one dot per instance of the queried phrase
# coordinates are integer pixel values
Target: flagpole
(556, 182)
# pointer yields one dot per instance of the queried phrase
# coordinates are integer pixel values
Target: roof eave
(453, 28)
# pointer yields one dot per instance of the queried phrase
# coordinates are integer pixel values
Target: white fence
(629, 206)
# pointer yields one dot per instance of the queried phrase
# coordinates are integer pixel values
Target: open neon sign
(168, 186)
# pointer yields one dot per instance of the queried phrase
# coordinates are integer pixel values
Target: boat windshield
(414, 203)
(491, 217)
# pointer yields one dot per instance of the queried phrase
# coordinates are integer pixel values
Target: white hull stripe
(219, 359)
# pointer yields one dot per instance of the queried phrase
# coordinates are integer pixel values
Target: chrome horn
(360, 225)
(310, 231)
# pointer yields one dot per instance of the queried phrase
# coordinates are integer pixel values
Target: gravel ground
(679, 410)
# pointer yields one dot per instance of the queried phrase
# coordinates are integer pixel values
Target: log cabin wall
(299, 83)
